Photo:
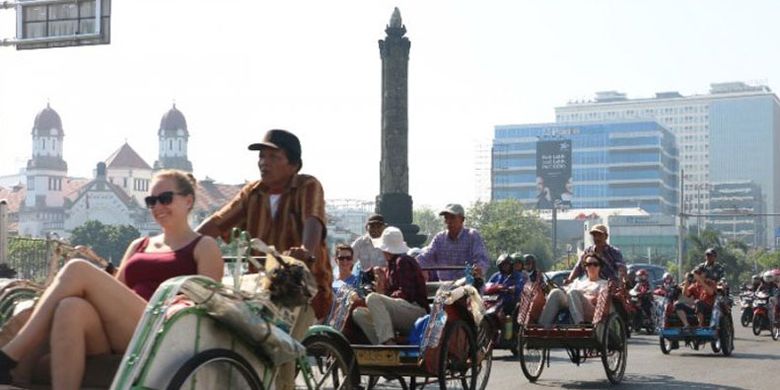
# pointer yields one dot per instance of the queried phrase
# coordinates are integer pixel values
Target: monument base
(397, 210)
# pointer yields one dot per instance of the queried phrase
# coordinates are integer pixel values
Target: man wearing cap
(400, 296)
(712, 270)
(613, 265)
(457, 245)
(285, 209)
(365, 252)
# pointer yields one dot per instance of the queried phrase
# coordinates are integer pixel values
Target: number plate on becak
(378, 357)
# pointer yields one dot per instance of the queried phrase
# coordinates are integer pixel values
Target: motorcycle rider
(702, 289)
(517, 265)
(667, 285)
(512, 281)
(755, 282)
(768, 286)
(643, 292)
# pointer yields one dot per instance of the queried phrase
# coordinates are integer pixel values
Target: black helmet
(503, 258)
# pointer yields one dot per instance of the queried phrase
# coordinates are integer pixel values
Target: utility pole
(681, 228)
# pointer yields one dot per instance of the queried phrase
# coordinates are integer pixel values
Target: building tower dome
(173, 136)
(46, 122)
(47, 136)
(173, 121)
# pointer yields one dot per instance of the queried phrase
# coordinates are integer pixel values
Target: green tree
(108, 241)
(506, 226)
(428, 221)
(733, 255)
(767, 260)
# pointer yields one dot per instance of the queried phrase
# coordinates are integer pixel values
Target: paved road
(753, 365)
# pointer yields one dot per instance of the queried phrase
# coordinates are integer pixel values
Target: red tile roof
(126, 157)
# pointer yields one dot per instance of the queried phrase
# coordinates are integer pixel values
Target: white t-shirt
(274, 199)
(589, 288)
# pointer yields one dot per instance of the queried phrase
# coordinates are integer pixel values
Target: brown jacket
(250, 210)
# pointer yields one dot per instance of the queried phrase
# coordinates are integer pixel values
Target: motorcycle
(746, 302)
(502, 327)
(642, 317)
(762, 320)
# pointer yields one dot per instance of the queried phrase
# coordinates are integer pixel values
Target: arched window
(170, 144)
(181, 142)
(43, 143)
(53, 144)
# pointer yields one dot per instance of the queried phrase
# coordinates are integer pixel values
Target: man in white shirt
(363, 247)
(580, 296)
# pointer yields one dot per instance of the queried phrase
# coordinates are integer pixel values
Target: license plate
(378, 357)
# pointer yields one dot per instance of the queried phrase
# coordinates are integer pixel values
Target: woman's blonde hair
(185, 182)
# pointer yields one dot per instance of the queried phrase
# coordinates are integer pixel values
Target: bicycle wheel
(614, 351)
(332, 366)
(485, 337)
(666, 345)
(458, 357)
(531, 359)
(215, 369)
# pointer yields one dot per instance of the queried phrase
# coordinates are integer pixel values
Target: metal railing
(30, 257)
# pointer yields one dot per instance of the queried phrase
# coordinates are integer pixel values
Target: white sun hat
(391, 241)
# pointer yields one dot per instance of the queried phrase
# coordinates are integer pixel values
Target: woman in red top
(86, 311)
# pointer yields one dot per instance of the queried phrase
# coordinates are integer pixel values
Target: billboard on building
(553, 174)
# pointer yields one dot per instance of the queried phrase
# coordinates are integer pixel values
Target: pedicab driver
(285, 209)
(458, 245)
(612, 267)
(400, 296)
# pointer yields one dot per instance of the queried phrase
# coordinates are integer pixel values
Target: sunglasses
(165, 198)
(344, 258)
(592, 264)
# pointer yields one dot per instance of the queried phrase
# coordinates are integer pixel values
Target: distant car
(557, 276)
(655, 272)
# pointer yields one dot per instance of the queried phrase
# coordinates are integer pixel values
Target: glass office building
(614, 164)
(730, 134)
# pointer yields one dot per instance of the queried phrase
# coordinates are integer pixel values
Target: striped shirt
(250, 210)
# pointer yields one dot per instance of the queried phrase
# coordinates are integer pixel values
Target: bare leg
(75, 334)
(683, 317)
(118, 308)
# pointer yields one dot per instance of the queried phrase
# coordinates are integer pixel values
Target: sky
(237, 68)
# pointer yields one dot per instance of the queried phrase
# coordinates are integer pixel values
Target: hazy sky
(237, 68)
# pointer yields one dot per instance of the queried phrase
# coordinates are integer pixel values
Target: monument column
(394, 201)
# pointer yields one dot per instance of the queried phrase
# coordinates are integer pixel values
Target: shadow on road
(639, 382)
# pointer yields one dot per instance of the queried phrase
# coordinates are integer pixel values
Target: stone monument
(394, 201)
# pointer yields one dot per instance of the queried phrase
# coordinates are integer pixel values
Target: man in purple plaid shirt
(458, 245)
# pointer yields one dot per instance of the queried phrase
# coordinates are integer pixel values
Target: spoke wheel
(614, 351)
(216, 369)
(666, 345)
(458, 357)
(331, 365)
(773, 327)
(485, 339)
(372, 382)
(531, 359)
